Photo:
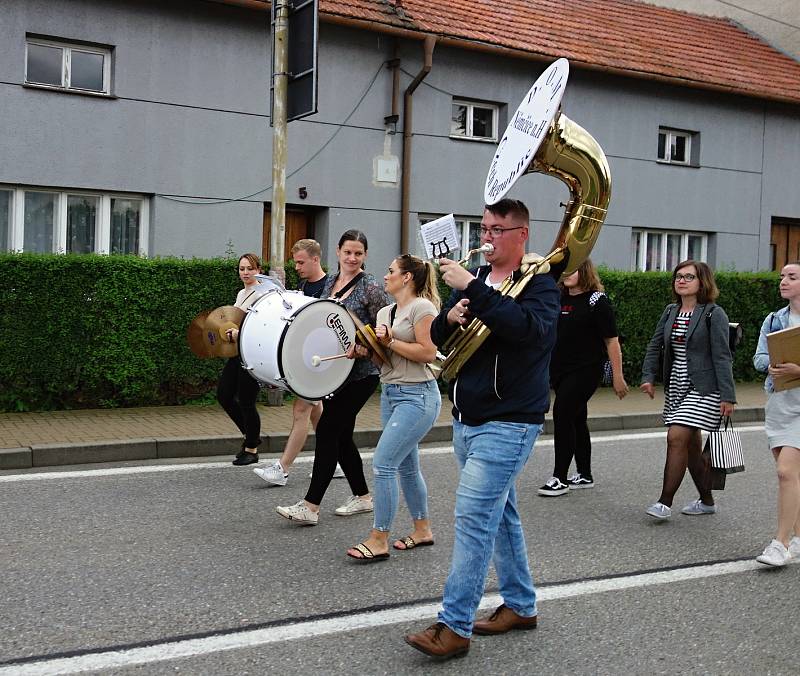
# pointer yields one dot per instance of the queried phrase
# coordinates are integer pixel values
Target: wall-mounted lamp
(302, 193)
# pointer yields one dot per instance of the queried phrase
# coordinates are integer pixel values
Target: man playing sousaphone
(499, 400)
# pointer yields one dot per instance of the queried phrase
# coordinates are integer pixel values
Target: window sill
(479, 139)
(64, 90)
(670, 163)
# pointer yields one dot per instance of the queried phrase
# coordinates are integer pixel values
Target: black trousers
(335, 440)
(571, 430)
(237, 392)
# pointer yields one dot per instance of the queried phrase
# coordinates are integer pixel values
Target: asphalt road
(186, 568)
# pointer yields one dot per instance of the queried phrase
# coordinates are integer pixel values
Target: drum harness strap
(348, 286)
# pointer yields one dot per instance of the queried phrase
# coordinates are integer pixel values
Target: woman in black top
(587, 332)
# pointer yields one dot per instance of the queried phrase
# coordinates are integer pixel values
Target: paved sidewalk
(111, 435)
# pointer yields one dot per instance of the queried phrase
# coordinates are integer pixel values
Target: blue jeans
(490, 457)
(408, 411)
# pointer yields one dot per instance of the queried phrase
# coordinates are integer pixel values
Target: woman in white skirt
(783, 424)
(692, 334)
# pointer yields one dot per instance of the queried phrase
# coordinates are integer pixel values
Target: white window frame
(470, 106)
(66, 66)
(102, 239)
(671, 135)
(643, 233)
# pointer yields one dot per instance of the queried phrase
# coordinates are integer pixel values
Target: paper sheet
(440, 237)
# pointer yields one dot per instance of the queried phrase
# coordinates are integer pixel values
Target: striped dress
(683, 404)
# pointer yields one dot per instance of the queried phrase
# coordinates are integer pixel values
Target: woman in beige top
(410, 404)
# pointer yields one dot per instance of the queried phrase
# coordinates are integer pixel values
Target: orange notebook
(784, 347)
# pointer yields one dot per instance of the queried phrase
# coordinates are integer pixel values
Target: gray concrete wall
(191, 121)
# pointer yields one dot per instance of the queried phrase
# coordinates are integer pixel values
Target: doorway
(784, 241)
(299, 225)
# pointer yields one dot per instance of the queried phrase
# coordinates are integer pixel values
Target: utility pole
(280, 83)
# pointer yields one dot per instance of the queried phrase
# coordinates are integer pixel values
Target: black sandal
(366, 554)
(411, 543)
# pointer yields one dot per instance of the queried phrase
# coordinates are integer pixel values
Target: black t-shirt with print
(584, 322)
(313, 289)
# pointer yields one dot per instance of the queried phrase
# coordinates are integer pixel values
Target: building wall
(190, 120)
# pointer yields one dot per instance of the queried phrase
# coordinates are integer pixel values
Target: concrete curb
(51, 455)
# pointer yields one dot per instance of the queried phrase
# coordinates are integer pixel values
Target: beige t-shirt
(247, 296)
(398, 369)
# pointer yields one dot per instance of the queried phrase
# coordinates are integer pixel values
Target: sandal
(366, 554)
(410, 543)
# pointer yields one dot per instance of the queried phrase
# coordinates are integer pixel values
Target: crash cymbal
(206, 334)
(365, 335)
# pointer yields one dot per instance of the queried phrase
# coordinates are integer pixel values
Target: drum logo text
(334, 321)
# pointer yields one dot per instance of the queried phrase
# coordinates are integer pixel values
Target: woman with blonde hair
(699, 391)
(587, 335)
(410, 404)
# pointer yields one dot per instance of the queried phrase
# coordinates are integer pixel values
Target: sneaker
(698, 507)
(659, 511)
(554, 486)
(299, 512)
(794, 547)
(273, 474)
(245, 458)
(775, 554)
(338, 473)
(355, 505)
(577, 481)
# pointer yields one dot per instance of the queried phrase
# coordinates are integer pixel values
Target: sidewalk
(112, 435)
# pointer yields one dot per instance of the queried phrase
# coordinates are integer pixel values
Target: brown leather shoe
(502, 620)
(440, 641)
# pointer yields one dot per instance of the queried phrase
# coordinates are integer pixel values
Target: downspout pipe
(408, 126)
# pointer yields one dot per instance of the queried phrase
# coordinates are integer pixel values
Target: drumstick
(316, 360)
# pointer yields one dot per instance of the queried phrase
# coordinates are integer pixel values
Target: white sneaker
(659, 511)
(338, 473)
(775, 554)
(299, 512)
(794, 547)
(273, 474)
(355, 505)
(696, 508)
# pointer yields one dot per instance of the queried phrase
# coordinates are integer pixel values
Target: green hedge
(80, 331)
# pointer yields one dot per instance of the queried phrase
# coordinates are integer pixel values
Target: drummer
(237, 391)
(306, 254)
(363, 296)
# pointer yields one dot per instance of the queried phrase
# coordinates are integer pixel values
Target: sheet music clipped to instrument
(440, 237)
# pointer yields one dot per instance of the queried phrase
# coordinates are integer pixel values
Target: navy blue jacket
(507, 379)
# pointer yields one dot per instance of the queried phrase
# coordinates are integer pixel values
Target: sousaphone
(540, 138)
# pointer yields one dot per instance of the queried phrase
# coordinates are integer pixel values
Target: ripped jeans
(408, 411)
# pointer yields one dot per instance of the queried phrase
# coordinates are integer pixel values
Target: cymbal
(365, 335)
(206, 333)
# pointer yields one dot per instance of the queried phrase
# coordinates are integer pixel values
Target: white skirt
(782, 418)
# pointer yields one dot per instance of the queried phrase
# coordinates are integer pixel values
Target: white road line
(303, 460)
(368, 620)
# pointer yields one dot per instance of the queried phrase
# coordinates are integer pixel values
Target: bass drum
(281, 333)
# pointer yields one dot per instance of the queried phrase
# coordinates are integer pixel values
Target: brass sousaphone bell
(207, 333)
(541, 139)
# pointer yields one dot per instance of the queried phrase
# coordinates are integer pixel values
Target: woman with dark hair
(410, 404)
(782, 423)
(587, 332)
(361, 295)
(237, 391)
(699, 390)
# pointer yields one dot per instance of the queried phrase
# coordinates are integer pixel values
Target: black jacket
(507, 378)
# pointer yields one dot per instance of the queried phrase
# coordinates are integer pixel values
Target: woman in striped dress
(692, 334)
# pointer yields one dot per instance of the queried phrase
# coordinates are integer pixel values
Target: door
(299, 225)
(784, 241)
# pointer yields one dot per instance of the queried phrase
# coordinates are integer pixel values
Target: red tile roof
(623, 36)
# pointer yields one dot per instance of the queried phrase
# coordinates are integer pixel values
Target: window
(663, 250)
(674, 147)
(58, 221)
(470, 230)
(71, 67)
(477, 121)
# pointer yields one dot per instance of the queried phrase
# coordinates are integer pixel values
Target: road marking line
(187, 648)
(303, 460)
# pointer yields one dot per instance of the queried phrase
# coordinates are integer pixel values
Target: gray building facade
(175, 157)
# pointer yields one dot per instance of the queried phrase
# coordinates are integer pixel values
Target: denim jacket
(775, 321)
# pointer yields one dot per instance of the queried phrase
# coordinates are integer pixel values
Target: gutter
(408, 109)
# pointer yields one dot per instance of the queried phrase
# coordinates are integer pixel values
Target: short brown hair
(588, 279)
(310, 246)
(515, 208)
(708, 291)
(251, 258)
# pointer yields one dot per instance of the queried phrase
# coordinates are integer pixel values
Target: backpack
(735, 332)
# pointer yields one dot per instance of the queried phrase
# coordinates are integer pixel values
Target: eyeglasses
(685, 278)
(498, 232)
